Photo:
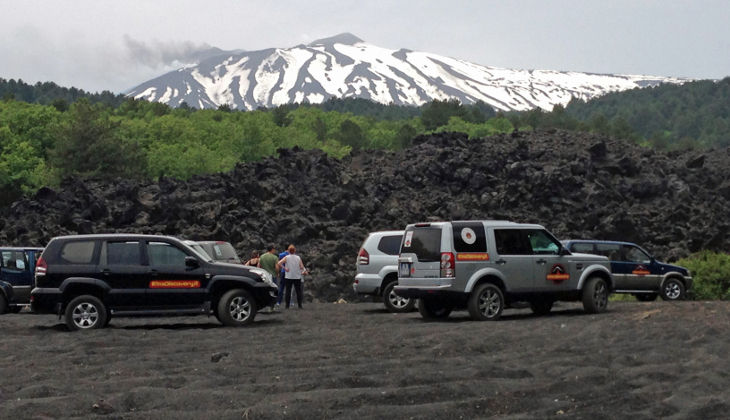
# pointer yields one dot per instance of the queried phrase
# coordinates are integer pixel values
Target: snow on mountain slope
(346, 66)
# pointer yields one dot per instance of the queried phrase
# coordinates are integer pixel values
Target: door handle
(105, 271)
(541, 261)
(500, 262)
(153, 272)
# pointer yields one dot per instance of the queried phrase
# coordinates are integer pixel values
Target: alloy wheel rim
(239, 308)
(85, 315)
(672, 290)
(397, 301)
(600, 297)
(489, 303)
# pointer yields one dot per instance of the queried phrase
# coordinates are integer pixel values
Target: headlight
(265, 275)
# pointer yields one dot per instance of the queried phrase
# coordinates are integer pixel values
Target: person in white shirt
(294, 270)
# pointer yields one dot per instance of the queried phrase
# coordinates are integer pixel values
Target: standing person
(254, 261)
(268, 262)
(282, 277)
(294, 272)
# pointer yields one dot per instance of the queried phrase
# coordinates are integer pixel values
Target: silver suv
(485, 266)
(377, 270)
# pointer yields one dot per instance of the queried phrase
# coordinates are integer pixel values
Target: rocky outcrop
(578, 185)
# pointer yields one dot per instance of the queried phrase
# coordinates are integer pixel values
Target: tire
(108, 320)
(237, 308)
(541, 307)
(646, 297)
(672, 289)
(395, 303)
(85, 313)
(432, 309)
(486, 303)
(595, 295)
(16, 309)
(3, 305)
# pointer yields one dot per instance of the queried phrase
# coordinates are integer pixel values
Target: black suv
(92, 278)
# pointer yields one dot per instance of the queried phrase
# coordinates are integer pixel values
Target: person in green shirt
(268, 262)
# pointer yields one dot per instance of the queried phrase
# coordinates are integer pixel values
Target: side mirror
(191, 263)
(563, 251)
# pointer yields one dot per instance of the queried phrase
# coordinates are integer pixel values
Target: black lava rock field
(578, 185)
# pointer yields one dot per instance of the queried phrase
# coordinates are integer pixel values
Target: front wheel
(85, 313)
(432, 309)
(673, 289)
(395, 303)
(595, 295)
(236, 308)
(486, 303)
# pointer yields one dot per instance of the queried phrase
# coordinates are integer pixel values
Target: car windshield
(224, 251)
(198, 250)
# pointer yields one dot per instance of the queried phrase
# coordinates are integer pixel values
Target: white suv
(377, 270)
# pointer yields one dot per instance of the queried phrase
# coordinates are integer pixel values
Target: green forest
(48, 132)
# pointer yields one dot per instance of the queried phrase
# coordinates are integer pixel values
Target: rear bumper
(367, 284)
(426, 287)
(46, 301)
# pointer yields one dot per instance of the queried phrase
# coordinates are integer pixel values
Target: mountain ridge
(346, 66)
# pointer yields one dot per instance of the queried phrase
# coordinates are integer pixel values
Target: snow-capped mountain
(346, 66)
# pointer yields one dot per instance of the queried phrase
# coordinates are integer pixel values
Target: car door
(171, 283)
(514, 258)
(553, 272)
(620, 270)
(16, 271)
(637, 264)
(120, 266)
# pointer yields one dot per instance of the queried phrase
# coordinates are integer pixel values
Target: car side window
(15, 260)
(5, 258)
(634, 254)
(582, 248)
(609, 250)
(162, 253)
(78, 252)
(390, 245)
(542, 244)
(121, 253)
(469, 237)
(512, 242)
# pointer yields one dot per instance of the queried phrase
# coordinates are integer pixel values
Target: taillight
(41, 267)
(363, 258)
(448, 268)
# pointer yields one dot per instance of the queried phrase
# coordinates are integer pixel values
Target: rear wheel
(541, 307)
(486, 303)
(672, 289)
(595, 295)
(646, 297)
(85, 313)
(237, 308)
(432, 309)
(395, 303)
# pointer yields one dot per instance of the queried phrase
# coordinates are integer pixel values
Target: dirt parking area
(638, 361)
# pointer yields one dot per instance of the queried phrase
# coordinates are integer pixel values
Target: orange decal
(174, 284)
(558, 274)
(474, 256)
(640, 270)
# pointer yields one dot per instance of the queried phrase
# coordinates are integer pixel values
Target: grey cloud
(158, 54)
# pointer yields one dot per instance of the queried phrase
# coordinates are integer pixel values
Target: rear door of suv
(514, 258)
(170, 281)
(120, 266)
(421, 253)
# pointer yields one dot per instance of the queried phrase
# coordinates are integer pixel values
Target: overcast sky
(115, 45)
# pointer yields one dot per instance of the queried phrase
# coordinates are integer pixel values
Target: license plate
(404, 270)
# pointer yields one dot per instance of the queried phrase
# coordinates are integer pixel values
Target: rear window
(390, 245)
(78, 252)
(121, 253)
(469, 237)
(608, 250)
(424, 242)
(512, 242)
(224, 251)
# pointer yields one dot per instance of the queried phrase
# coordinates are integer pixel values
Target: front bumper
(687, 283)
(367, 284)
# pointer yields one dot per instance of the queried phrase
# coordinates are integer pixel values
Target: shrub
(710, 274)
